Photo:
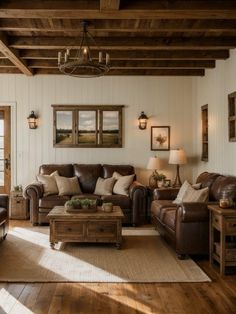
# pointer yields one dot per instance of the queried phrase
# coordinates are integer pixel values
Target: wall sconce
(32, 120)
(142, 121)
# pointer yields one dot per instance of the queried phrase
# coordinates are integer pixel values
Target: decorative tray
(81, 210)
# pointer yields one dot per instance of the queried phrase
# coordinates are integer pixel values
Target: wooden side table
(222, 230)
(19, 208)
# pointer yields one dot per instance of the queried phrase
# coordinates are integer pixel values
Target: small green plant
(158, 176)
(87, 202)
(72, 203)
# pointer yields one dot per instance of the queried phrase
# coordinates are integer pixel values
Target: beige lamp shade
(154, 163)
(177, 157)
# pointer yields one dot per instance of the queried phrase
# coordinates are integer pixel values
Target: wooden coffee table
(85, 227)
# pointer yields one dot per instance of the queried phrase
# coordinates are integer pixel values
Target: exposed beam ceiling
(164, 37)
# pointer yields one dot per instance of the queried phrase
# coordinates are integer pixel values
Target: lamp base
(177, 182)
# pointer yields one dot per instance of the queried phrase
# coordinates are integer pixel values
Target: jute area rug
(26, 257)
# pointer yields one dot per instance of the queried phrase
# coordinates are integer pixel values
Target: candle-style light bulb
(100, 57)
(59, 57)
(107, 58)
(68, 52)
(65, 56)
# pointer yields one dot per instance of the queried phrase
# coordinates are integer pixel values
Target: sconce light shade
(177, 157)
(142, 121)
(32, 120)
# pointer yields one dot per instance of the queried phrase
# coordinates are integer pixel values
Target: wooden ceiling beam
(137, 55)
(125, 43)
(109, 5)
(13, 55)
(136, 64)
(139, 72)
(120, 26)
(69, 9)
(9, 70)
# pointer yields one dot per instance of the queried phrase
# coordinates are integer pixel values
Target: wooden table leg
(52, 245)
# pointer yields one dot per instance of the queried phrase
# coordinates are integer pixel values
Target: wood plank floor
(218, 296)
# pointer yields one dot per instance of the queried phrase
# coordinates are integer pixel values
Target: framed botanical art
(160, 138)
(87, 126)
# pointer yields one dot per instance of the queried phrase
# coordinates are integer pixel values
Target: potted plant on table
(159, 178)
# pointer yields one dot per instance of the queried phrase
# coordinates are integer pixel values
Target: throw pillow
(104, 186)
(192, 195)
(122, 184)
(68, 186)
(49, 183)
(183, 189)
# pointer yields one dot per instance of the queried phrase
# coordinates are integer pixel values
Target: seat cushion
(169, 218)
(118, 200)
(52, 200)
(160, 206)
(86, 195)
(3, 214)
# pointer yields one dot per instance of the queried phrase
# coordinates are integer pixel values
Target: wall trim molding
(12, 104)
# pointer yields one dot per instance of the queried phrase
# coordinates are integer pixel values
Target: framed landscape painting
(87, 126)
(160, 138)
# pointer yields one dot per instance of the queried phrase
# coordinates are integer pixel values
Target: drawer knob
(101, 230)
(69, 229)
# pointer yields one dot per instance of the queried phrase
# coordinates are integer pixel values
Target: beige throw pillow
(68, 186)
(104, 186)
(122, 184)
(192, 195)
(183, 189)
(49, 183)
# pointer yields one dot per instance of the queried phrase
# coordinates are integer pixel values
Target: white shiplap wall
(166, 100)
(213, 89)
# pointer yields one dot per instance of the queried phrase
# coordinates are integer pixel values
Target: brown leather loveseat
(186, 226)
(133, 206)
(4, 200)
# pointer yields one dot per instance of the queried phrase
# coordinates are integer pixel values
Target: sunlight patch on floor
(9, 304)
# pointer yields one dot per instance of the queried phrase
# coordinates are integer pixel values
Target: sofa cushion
(87, 175)
(104, 186)
(124, 170)
(160, 206)
(207, 179)
(3, 214)
(52, 200)
(169, 218)
(192, 195)
(224, 186)
(122, 184)
(68, 186)
(49, 183)
(118, 200)
(65, 170)
(86, 195)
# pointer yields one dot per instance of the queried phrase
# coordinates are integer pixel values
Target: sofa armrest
(165, 194)
(4, 201)
(137, 187)
(34, 192)
(137, 193)
(192, 212)
(35, 188)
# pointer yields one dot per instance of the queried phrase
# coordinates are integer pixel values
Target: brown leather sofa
(133, 206)
(186, 226)
(4, 201)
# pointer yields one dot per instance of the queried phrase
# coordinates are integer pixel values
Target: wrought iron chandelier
(82, 64)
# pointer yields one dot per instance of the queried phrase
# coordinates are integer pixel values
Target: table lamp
(154, 163)
(177, 157)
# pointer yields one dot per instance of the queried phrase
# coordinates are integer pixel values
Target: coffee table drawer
(70, 228)
(101, 229)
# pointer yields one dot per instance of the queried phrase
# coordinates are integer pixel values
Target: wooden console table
(222, 229)
(85, 227)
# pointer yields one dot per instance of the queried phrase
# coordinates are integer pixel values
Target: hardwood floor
(218, 296)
